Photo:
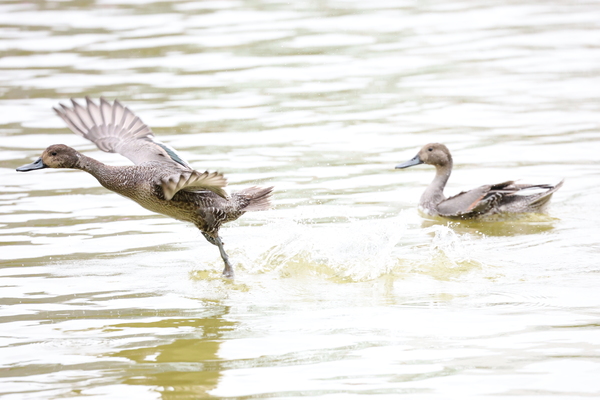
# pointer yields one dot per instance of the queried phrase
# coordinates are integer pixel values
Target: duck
(160, 179)
(479, 203)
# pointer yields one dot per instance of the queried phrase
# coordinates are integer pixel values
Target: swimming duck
(160, 181)
(501, 198)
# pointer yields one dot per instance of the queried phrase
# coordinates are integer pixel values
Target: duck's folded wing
(193, 181)
(115, 129)
(462, 203)
(475, 201)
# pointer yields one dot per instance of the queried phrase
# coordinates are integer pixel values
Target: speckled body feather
(205, 209)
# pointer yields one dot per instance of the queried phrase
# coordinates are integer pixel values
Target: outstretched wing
(115, 129)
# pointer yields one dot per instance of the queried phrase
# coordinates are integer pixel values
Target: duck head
(435, 154)
(55, 156)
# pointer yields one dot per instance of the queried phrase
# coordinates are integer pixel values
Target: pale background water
(343, 290)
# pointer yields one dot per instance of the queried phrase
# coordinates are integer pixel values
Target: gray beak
(39, 164)
(413, 161)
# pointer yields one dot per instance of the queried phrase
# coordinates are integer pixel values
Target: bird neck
(434, 194)
(98, 170)
(89, 165)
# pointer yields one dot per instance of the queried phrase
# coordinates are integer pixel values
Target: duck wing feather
(114, 128)
(192, 181)
(502, 197)
(476, 201)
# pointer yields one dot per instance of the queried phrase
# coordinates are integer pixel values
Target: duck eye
(53, 153)
(430, 149)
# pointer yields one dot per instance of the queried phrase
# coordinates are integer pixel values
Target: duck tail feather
(544, 198)
(255, 198)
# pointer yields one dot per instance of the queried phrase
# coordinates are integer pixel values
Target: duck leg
(216, 240)
(228, 271)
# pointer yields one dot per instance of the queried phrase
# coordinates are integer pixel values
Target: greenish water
(343, 290)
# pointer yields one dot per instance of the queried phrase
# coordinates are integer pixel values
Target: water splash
(359, 250)
(449, 254)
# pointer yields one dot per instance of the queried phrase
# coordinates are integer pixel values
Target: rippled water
(343, 289)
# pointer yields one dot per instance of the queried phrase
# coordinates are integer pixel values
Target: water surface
(343, 289)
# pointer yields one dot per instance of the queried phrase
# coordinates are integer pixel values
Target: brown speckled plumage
(484, 201)
(161, 181)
